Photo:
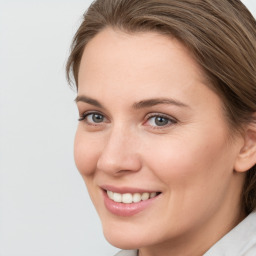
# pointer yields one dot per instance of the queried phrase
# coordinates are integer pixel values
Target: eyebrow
(137, 105)
(88, 100)
(158, 101)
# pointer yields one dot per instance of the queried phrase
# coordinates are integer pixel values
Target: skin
(191, 159)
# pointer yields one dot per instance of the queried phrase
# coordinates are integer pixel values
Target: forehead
(114, 51)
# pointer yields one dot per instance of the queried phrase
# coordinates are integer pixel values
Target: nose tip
(119, 155)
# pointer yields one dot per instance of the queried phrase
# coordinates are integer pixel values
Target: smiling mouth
(128, 198)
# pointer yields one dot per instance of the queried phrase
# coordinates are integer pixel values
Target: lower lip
(126, 210)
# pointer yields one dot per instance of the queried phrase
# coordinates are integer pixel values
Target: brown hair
(221, 34)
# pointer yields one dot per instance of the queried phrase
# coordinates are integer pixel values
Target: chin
(125, 239)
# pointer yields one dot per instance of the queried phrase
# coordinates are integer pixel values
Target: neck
(196, 242)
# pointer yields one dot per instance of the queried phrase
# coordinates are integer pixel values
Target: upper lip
(123, 190)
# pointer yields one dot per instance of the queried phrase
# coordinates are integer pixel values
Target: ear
(247, 155)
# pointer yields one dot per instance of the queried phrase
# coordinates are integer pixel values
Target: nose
(120, 153)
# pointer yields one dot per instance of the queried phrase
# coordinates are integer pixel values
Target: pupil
(97, 118)
(161, 121)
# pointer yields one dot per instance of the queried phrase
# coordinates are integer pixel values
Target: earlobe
(247, 155)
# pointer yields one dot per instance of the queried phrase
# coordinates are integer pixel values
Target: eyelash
(85, 115)
(170, 120)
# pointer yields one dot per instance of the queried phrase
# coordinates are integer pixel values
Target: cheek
(85, 154)
(196, 175)
(183, 162)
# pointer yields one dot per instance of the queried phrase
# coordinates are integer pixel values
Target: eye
(92, 118)
(160, 121)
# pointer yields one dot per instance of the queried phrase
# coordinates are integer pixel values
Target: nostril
(117, 164)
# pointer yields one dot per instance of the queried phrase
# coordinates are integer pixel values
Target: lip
(126, 210)
(123, 190)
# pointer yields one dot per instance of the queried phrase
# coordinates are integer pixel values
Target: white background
(44, 206)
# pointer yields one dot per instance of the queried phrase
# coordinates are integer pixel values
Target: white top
(240, 241)
(127, 253)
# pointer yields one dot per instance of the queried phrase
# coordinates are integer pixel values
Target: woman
(166, 142)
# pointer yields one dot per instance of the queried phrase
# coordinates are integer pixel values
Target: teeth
(136, 197)
(152, 194)
(145, 196)
(129, 198)
(117, 197)
(110, 194)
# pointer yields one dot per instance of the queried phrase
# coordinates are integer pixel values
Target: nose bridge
(119, 152)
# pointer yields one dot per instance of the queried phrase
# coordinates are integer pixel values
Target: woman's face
(151, 127)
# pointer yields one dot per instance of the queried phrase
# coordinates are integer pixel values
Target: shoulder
(127, 253)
